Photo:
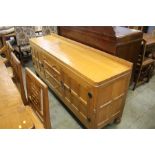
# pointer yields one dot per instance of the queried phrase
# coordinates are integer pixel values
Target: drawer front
(53, 77)
(53, 63)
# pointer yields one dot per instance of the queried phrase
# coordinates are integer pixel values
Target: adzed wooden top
(9, 94)
(91, 63)
(16, 118)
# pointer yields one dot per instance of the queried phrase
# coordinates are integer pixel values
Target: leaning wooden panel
(37, 96)
(91, 83)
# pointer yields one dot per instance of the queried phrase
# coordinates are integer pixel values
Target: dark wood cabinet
(119, 41)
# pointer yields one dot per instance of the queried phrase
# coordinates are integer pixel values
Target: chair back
(18, 76)
(8, 51)
(140, 60)
(47, 30)
(141, 28)
(37, 96)
(142, 52)
(23, 34)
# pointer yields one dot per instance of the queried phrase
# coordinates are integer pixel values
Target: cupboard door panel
(76, 94)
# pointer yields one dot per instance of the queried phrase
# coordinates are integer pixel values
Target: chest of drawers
(91, 83)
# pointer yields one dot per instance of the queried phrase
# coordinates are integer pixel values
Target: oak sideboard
(91, 83)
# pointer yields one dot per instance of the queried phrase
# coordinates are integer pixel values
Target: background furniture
(144, 29)
(144, 67)
(6, 32)
(91, 83)
(150, 44)
(119, 41)
(37, 96)
(23, 33)
(38, 31)
(141, 28)
(47, 30)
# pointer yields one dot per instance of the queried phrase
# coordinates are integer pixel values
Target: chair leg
(148, 77)
(21, 58)
(149, 73)
(136, 81)
(135, 84)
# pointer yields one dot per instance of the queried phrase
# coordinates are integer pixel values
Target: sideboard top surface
(93, 64)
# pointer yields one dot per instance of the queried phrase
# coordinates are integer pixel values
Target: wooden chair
(144, 68)
(47, 30)
(18, 76)
(38, 31)
(141, 28)
(23, 34)
(5, 33)
(37, 97)
(8, 52)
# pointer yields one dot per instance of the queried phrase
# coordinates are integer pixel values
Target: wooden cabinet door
(78, 96)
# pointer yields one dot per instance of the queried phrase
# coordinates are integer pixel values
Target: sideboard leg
(117, 120)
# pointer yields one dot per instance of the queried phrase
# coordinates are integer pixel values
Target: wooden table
(9, 94)
(16, 118)
(13, 114)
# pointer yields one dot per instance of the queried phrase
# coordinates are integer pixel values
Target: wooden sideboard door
(78, 96)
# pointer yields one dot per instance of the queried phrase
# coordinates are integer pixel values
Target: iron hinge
(90, 95)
